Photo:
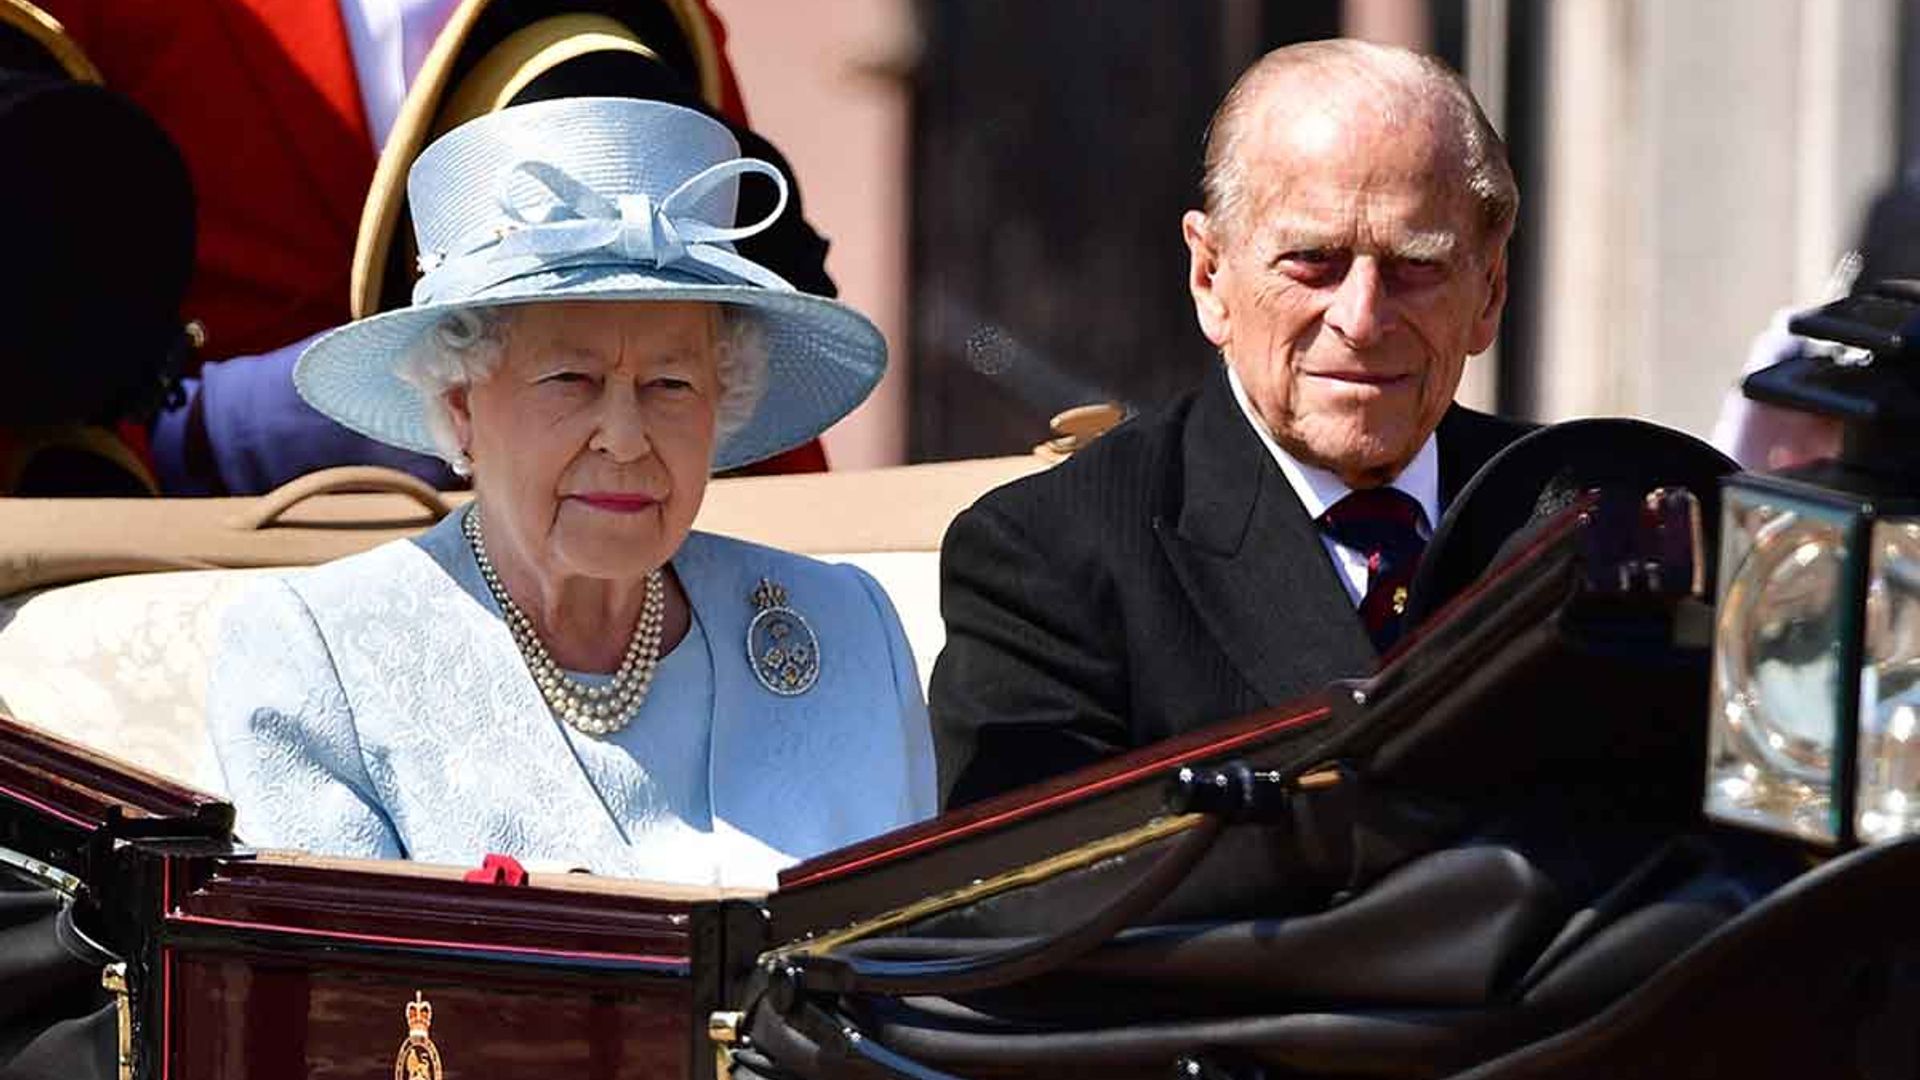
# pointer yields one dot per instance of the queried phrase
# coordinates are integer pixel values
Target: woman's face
(592, 439)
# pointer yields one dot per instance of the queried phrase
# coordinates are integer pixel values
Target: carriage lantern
(1815, 707)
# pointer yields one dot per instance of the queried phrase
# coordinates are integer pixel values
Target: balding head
(1399, 86)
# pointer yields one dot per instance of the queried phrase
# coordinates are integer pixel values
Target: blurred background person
(1674, 204)
(91, 288)
(1767, 437)
(282, 109)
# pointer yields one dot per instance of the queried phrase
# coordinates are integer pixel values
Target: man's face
(1353, 284)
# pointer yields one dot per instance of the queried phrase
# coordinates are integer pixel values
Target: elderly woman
(565, 672)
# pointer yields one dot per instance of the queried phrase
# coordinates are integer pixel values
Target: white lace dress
(377, 707)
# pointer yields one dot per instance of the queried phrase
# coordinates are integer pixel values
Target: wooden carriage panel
(293, 965)
(238, 1016)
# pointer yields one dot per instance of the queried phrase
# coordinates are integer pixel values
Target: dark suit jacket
(1164, 578)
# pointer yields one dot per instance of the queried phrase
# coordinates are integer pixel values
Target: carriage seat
(109, 608)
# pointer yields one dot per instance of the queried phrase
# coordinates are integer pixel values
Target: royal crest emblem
(781, 647)
(418, 1059)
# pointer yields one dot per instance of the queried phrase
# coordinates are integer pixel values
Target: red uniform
(261, 97)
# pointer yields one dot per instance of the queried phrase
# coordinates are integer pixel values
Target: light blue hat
(594, 199)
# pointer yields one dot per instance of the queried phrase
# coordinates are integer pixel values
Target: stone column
(1707, 162)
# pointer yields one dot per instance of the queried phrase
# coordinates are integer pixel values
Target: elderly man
(1255, 539)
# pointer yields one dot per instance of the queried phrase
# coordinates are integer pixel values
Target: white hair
(465, 347)
(1391, 77)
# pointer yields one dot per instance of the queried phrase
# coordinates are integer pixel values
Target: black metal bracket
(1239, 794)
(846, 1050)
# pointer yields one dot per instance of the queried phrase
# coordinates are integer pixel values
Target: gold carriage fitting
(418, 1058)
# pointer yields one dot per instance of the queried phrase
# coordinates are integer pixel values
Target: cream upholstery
(120, 663)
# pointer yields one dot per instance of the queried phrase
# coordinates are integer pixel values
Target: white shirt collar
(1319, 489)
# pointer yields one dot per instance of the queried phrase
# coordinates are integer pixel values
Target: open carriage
(1373, 882)
(1487, 859)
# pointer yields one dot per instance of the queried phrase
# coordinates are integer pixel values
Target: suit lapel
(295, 52)
(1252, 562)
(1467, 439)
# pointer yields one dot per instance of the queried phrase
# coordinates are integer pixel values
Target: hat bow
(559, 223)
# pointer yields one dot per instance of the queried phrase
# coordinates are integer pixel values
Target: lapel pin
(781, 647)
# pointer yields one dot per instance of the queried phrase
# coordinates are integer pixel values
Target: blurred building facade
(828, 82)
(1003, 179)
(1704, 164)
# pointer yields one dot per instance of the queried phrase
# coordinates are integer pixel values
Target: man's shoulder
(1485, 425)
(1471, 437)
(1119, 475)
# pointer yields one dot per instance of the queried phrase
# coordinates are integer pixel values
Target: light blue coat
(378, 707)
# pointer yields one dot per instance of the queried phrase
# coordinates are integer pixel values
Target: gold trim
(724, 1027)
(113, 979)
(1319, 780)
(723, 1031)
(380, 216)
(706, 52)
(525, 55)
(46, 31)
(45, 873)
(1031, 874)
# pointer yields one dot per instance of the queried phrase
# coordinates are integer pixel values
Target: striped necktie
(1382, 524)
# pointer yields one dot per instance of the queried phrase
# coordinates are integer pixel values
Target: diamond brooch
(781, 647)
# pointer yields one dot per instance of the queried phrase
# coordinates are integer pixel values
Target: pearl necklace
(594, 710)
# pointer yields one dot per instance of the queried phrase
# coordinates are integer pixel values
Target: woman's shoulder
(352, 582)
(721, 566)
(714, 553)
